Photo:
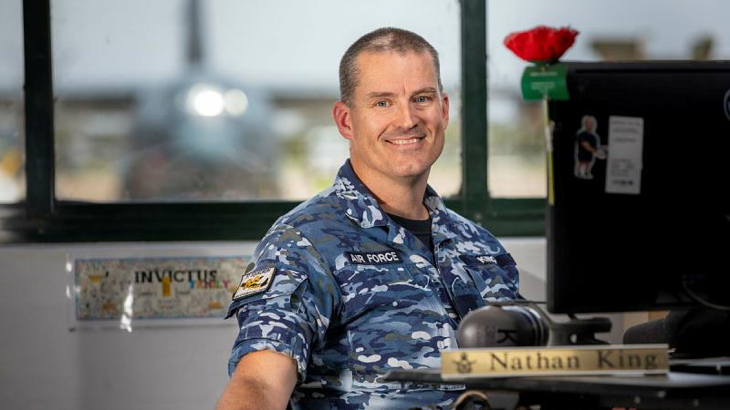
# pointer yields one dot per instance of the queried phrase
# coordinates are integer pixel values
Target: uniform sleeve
(293, 314)
(510, 276)
(504, 277)
(504, 280)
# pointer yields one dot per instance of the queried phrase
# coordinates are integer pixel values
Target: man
(587, 148)
(374, 273)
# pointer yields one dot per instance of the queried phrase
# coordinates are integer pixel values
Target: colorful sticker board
(155, 288)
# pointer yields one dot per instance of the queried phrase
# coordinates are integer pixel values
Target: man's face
(397, 116)
(590, 124)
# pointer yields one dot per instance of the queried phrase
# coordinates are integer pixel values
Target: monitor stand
(578, 331)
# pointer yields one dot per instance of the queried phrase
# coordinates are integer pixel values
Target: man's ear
(343, 120)
(445, 108)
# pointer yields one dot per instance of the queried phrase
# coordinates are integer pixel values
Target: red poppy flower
(541, 44)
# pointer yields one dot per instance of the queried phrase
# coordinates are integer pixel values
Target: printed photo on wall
(588, 147)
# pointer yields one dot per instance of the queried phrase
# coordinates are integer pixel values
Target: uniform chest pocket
(368, 288)
(495, 279)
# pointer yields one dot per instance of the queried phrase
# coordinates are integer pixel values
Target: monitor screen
(639, 215)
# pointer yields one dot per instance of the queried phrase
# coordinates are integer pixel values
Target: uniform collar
(362, 207)
(359, 203)
(442, 228)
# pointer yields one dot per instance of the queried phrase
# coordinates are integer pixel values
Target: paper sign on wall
(624, 163)
(154, 288)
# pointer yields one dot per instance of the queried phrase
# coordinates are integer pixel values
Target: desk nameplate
(556, 360)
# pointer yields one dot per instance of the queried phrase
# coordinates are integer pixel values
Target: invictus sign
(154, 288)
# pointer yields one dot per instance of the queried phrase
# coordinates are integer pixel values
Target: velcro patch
(373, 258)
(505, 259)
(254, 282)
(478, 259)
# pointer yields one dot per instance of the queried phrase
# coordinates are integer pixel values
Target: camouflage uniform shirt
(354, 295)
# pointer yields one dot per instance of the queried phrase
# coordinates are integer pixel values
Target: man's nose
(407, 117)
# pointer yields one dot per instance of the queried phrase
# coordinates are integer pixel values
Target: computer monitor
(639, 215)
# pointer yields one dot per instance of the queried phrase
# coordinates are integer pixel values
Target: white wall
(44, 365)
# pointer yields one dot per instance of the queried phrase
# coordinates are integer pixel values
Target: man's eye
(423, 99)
(381, 104)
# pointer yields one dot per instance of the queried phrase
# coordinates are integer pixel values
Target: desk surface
(674, 390)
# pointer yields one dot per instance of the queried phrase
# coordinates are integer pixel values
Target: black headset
(524, 323)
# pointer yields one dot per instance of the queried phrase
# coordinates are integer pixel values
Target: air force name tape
(373, 258)
(254, 282)
(505, 259)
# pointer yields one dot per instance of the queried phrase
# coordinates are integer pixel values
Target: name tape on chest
(254, 282)
(487, 259)
(373, 258)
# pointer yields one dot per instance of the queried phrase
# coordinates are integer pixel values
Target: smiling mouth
(410, 141)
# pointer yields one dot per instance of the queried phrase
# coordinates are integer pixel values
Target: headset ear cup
(540, 325)
(502, 326)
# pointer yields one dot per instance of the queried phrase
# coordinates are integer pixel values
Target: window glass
(226, 100)
(12, 120)
(609, 30)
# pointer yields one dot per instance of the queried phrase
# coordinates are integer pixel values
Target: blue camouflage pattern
(346, 324)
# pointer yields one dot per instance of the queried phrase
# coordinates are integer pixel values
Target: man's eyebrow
(427, 90)
(381, 94)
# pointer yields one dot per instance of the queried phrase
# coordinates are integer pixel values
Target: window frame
(43, 218)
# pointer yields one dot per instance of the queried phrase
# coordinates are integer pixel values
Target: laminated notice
(154, 288)
(624, 162)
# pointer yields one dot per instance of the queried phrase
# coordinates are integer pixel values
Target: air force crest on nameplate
(254, 282)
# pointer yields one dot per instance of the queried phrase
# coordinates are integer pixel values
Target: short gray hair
(379, 41)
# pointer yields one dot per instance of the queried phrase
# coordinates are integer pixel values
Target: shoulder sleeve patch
(254, 282)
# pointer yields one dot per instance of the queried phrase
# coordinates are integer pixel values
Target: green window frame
(43, 218)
